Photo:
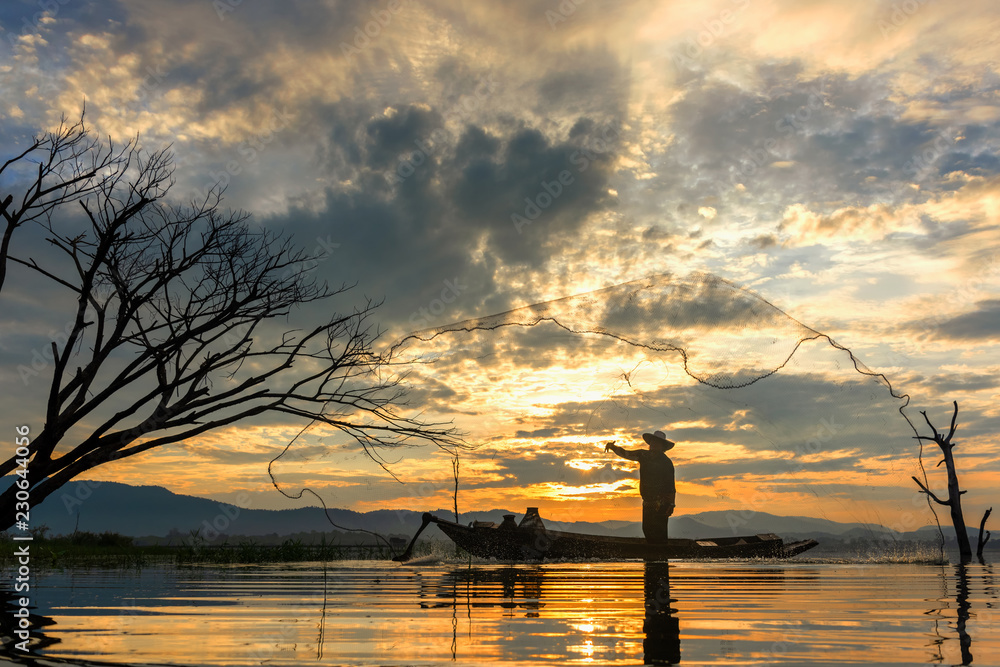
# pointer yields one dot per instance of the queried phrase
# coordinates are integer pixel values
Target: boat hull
(519, 544)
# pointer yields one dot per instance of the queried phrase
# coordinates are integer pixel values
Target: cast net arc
(768, 412)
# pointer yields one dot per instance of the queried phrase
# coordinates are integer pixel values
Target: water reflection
(522, 591)
(962, 591)
(519, 588)
(10, 624)
(662, 645)
(509, 587)
(554, 613)
(961, 574)
(609, 611)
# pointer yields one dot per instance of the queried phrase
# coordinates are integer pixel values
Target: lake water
(691, 613)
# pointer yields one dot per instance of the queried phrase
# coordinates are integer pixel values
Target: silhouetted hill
(742, 522)
(142, 511)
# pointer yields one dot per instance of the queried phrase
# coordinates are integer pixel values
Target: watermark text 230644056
(23, 554)
(22, 506)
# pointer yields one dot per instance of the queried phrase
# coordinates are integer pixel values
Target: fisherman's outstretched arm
(624, 453)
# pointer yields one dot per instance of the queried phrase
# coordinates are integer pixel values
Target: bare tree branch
(984, 535)
(924, 489)
(58, 167)
(954, 417)
(174, 330)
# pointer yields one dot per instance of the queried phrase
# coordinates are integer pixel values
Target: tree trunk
(10, 506)
(957, 518)
(954, 500)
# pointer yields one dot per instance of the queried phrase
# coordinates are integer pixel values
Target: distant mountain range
(152, 511)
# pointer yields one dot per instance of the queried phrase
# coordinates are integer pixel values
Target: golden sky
(465, 159)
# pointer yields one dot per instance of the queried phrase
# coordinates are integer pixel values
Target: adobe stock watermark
(212, 528)
(907, 520)
(221, 522)
(753, 159)
(658, 601)
(826, 430)
(971, 291)
(143, 92)
(899, 14)
(712, 30)
(322, 251)
(460, 112)
(43, 357)
(381, 18)
(919, 166)
(423, 492)
(122, 624)
(562, 12)
(550, 191)
(83, 491)
(249, 151)
(32, 26)
(268, 645)
(421, 317)
(223, 7)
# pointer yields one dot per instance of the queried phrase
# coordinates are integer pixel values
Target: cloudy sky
(460, 159)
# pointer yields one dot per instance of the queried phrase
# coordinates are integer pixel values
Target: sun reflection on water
(611, 613)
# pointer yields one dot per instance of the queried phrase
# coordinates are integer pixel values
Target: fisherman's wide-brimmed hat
(658, 439)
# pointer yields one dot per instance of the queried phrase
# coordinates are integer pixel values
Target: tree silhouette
(171, 331)
(64, 165)
(954, 500)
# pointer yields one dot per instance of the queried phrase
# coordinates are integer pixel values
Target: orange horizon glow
(874, 218)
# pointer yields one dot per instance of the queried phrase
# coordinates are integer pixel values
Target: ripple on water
(799, 612)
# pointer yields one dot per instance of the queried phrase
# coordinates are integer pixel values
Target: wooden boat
(532, 541)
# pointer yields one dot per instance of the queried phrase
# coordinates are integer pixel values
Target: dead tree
(954, 500)
(62, 166)
(174, 325)
(984, 535)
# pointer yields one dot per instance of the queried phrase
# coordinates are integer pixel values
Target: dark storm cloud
(839, 139)
(475, 144)
(550, 186)
(25, 17)
(978, 164)
(423, 200)
(397, 135)
(797, 414)
(541, 467)
(431, 391)
(980, 324)
(948, 383)
(763, 241)
(421, 206)
(223, 50)
(586, 82)
(710, 472)
(703, 301)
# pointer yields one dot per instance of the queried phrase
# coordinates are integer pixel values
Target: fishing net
(769, 415)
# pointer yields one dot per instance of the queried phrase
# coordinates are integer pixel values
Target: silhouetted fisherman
(656, 483)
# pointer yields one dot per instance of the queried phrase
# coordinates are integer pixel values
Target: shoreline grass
(111, 550)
